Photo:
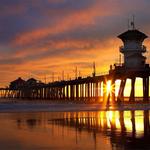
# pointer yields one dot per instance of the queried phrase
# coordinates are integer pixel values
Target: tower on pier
(133, 49)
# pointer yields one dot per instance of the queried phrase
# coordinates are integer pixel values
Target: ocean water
(99, 130)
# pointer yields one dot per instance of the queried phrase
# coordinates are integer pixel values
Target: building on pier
(133, 49)
(31, 81)
(17, 83)
(134, 64)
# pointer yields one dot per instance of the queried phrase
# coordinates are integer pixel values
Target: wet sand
(13, 105)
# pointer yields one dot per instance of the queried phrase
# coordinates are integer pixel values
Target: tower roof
(132, 35)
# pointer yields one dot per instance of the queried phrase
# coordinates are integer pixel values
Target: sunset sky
(39, 37)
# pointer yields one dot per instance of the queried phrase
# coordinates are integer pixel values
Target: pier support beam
(72, 92)
(146, 89)
(67, 92)
(104, 91)
(121, 90)
(96, 91)
(77, 92)
(113, 91)
(132, 94)
(88, 90)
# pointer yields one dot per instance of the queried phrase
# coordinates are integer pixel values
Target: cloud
(39, 36)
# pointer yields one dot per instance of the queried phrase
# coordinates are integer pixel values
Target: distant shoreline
(12, 105)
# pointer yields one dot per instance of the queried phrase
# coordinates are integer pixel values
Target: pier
(94, 88)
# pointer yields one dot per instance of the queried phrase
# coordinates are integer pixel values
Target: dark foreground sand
(11, 105)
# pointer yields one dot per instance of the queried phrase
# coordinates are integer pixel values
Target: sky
(39, 38)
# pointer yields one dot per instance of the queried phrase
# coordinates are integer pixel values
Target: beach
(16, 105)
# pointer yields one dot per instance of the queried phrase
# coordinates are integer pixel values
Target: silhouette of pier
(94, 88)
(82, 89)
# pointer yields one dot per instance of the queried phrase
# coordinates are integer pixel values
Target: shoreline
(13, 105)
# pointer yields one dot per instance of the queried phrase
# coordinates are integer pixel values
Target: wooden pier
(94, 88)
(89, 89)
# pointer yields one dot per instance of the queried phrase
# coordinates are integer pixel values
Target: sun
(108, 87)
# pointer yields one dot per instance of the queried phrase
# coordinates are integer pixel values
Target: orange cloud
(45, 48)
(103, 53)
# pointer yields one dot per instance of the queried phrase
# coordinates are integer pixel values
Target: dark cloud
(34, 30)
(20, 16)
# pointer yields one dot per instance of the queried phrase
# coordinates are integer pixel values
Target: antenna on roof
(94, 69)
(79, 73)
(63, 75)
(76, 72)
(45, 79)
(133, 22)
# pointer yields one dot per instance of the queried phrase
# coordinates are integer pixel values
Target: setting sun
(109, 87)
